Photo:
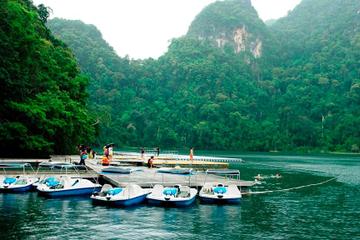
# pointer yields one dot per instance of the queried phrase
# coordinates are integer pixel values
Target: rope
(289, 189)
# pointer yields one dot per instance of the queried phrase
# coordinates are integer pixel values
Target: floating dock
(163, 160)
(143, 176)
(147, 178)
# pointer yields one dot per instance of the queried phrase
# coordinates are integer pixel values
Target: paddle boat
(62, 166)
(130, 195)
(44, 180)
(220, 192)
(120, 170)
(175, 170)
(67, 186)
(177, 196)
(19, 183)
(56, 168)
(51, 164)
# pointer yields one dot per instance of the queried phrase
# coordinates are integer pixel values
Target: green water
(328, 211)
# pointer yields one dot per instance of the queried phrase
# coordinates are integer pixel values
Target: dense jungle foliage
(43, 95)
(301, 94)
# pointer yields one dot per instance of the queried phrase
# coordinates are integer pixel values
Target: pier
(147, 178)
(142, 176)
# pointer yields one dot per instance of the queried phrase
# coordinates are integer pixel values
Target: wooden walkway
(147, 178)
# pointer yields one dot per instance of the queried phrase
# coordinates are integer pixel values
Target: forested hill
(43, 96)
(317, 79)
(233, 82)
(95, 56)
(183, 98)
(109, 76)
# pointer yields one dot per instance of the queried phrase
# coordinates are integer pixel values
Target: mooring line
(289, 189)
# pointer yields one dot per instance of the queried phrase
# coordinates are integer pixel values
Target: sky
(144, 28)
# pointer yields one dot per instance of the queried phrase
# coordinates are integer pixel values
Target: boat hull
(176, 172)
(118, 171)
(17, 189)
(171, 203)
(216, 200)
(69, 192)
(121, 202)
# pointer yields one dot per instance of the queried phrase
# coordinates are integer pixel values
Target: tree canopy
(43, 99)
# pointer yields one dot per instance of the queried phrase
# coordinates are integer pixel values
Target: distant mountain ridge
(232, 82)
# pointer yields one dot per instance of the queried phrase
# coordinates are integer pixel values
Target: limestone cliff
(233, 23)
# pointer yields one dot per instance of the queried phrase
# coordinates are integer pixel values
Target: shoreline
(198, 153)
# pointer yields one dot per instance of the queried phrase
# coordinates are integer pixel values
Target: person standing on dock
(81, 148)
(158, 151)
(105, 159)
(106, 151)
(142, 151)
(83, 157)
(90, 153)
(93, 154)
(111, 152)
(191, 154)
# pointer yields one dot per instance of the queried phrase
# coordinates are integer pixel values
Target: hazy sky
(143, 28)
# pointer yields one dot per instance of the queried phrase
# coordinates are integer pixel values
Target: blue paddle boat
(67, 186)
(21, 183)
(130, 195)
(221, 193)
(177, 196)
(17, 184)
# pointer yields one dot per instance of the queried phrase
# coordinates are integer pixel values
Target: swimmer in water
(257, 182)
(258, 177)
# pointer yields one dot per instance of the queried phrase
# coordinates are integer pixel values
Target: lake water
(328, 211)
